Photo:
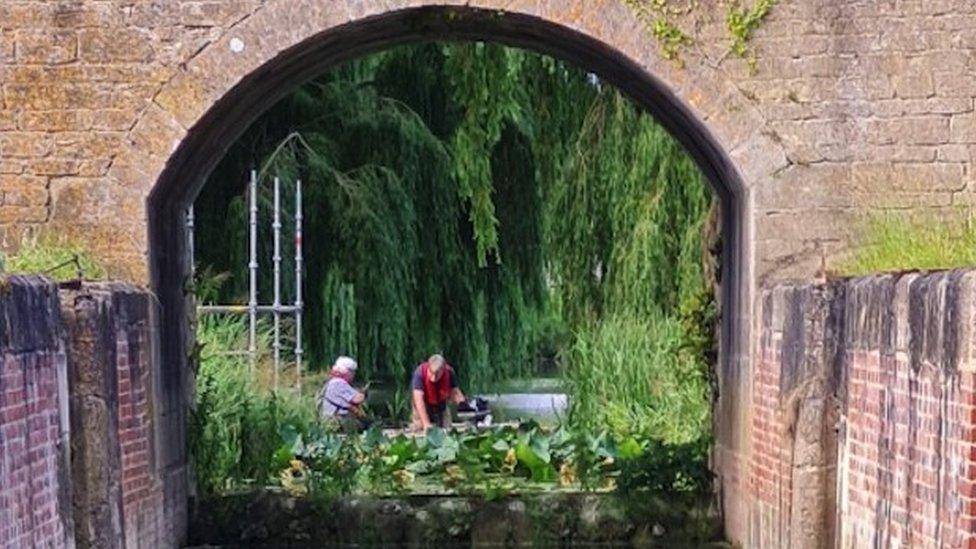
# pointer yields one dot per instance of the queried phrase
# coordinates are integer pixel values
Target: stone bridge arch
(215, 94)
(113, 111)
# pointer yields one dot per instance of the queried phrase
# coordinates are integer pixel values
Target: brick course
(898, 370)
(78, 369)
(34, 497)
(113, 370)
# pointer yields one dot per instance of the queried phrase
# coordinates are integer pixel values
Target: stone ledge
(267, 518)
(30, 317)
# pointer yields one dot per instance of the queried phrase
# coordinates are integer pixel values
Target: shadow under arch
(209, 139)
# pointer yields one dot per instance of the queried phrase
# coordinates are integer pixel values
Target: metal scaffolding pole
(243, 309)
(190, 242)
(299, 260)
(252, 312)
(253, 308)
(276, 226)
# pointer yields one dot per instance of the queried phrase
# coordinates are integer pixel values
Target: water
(542, 407)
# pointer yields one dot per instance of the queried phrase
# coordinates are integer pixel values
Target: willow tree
(470, 199)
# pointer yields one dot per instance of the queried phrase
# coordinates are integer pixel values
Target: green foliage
(893, 243)
(664, 468)
(670, 37)
(500, 207)
(234, 425)
(486, 90)
(418, 164)
(639, 375)
(488, 463)
(643, 202)
(742, 22)
(657, 15)
(630, 279)
(57, 257)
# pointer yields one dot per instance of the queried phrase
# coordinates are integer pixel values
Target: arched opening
(210, 138)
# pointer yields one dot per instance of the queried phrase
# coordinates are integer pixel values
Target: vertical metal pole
(299, 260)
(190, 242)
(252, 266)
(276, 226)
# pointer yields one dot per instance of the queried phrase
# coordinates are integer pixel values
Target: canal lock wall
(86, 458)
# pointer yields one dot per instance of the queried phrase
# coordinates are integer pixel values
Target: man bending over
(434, 384)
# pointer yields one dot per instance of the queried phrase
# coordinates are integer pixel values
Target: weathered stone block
(24, 145)
(46, 47)
(55, 121)
(47, 95)
(23, 190)
(115, 45)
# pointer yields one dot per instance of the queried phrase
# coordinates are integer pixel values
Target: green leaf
(539, 468)
(436, 437)
(540, 446)
(281, 458)
(374, 437)
(629, 449)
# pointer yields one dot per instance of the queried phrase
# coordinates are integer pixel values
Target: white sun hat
(345, 364)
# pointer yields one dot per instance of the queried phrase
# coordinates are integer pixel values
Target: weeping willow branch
(475, 200)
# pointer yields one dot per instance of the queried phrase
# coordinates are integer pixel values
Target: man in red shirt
(434, 384)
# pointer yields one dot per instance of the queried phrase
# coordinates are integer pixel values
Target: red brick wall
(34, 510)
(99, 341)
(792, 465)
(142, 493)
(908, 455)
(113, 367)
(769, 480)
(895, 358)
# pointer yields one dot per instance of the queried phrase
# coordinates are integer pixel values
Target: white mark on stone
(236, 45)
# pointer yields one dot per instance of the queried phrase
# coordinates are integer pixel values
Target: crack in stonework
(186, 62)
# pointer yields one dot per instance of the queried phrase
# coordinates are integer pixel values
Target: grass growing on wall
(54, 257)
(889, 243)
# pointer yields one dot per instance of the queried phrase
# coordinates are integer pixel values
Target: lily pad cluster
(491, 463)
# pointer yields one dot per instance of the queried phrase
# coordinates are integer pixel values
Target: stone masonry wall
(792, 471)
(855, 105)
(120, 497)
(35, 498)
(864, 425)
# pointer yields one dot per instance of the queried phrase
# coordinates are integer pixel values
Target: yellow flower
(567, 474)
(403, 477)
(510, 461)
(454, 474)
(293, 483)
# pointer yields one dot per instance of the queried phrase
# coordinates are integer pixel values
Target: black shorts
(437, 415)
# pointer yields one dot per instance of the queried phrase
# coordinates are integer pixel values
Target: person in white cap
(338, 399)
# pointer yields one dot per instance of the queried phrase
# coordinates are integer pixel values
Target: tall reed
(638, 375)
(235, 426)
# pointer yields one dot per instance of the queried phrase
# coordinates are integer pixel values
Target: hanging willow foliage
(459, 198)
